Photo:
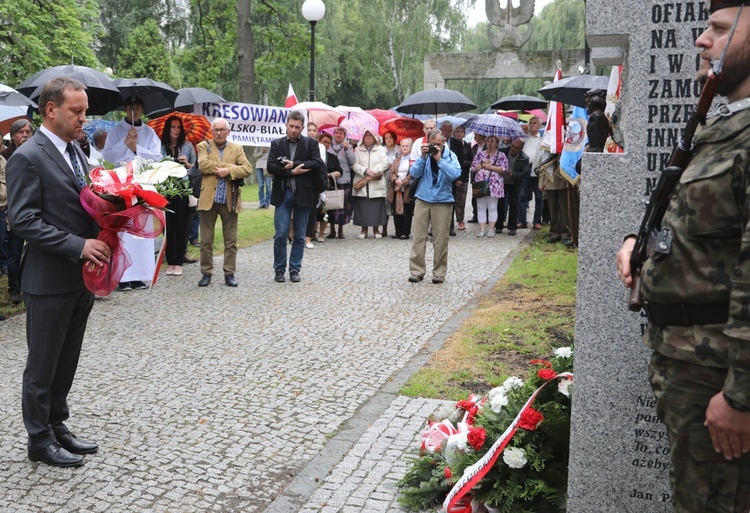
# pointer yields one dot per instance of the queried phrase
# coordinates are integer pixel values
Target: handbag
(480, 189)
(335, 198)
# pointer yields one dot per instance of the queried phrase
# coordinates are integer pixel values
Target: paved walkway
(268, 397)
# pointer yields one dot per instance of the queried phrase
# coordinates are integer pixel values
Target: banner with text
(250, 125)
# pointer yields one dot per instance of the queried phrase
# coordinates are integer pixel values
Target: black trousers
(55, 325)
(178, 223)
(402, 223)
(512, 192)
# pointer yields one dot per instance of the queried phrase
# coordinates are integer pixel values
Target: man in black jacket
(295, 163)
(518, 168)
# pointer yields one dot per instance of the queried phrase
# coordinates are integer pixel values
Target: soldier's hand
(623, 261)
(729, 428)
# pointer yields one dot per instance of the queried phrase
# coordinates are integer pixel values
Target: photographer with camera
(436, 169)
(222, 164)
(297, 169)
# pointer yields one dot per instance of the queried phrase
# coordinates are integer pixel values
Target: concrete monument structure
(508, 61)
(619, 451)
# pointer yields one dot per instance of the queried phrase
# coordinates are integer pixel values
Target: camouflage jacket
(709, 262)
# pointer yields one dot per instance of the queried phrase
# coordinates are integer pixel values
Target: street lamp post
(313, 11)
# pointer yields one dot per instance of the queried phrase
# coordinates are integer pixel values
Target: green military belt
(686, 314)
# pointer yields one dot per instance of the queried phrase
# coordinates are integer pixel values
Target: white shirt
(148, 146)
(62, 147)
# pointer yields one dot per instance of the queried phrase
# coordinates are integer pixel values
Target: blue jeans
(264, 188)
(282, 218)
(531, 186)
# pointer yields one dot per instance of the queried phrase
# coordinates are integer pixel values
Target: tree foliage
(120, 18)
(146, 56)
(38, 34)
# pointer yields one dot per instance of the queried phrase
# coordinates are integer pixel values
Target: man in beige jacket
(223, 166)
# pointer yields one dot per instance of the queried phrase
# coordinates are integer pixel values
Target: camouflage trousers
(702, 480)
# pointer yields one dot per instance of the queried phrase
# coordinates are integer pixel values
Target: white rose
(498, 401)
(514, 457)
(563, 352)
(511, 383)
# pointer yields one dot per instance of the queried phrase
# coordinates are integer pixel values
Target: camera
(280, 161)
(432, 149)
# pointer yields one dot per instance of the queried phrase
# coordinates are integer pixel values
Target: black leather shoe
(55, 455)
(279, 278)
(452, 233)
(294, 277)
(438, 279)
(230, 280)
(415, 278)
(567, 243)
(15, 297)
(188, 260)
(511, 232)
(472, 220)
(74, 445)
(138, 285)
(205, 280)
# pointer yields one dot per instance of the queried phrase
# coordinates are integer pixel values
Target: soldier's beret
(715, 5)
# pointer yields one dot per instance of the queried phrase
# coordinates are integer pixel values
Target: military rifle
(650, 229)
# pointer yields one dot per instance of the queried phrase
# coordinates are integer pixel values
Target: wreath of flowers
(527, 422)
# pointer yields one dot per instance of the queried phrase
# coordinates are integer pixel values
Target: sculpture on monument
(509, 19)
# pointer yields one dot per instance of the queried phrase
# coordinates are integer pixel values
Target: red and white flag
(291, 98)
(553, 134)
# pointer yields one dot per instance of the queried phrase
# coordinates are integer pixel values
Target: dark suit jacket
(459, 148)
(45, 209)
(307, 185)
(520, 171)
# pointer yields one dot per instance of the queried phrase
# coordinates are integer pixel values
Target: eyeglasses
(221, 130)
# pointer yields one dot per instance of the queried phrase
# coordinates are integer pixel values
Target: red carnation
(448, 473)
(541, 362)
(476, 438)
(546, 374)
(530, 419)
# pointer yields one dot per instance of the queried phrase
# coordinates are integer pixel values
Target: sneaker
(124, 286)
(480, 233)
(438, 279)
(415, 278)
(490, 233)
(138, 285)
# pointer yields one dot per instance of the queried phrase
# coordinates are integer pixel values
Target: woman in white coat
(370, 185)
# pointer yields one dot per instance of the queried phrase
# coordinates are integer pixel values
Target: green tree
(146, 55)
(120, 18)
(38, 34)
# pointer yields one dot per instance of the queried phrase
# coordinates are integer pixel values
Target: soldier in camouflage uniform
(698, 295)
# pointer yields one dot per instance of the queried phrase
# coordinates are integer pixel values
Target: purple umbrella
(493, 124)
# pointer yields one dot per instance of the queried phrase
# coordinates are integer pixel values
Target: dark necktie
(76, 168)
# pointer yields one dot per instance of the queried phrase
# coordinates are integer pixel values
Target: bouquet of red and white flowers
(124, 199)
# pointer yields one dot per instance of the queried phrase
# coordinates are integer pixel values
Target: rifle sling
(686, 314)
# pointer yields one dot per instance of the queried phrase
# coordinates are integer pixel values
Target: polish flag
(291, 98)
(553, 134)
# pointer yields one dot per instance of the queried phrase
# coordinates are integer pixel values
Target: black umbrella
(571, 90)
(102, 92)
(188, 97)
(519, 102)
(156, 96)
(436, 101)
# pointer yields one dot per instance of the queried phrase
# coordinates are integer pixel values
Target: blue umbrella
(493, 124)
(95, 124)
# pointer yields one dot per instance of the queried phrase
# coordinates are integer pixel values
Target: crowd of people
(380, 180)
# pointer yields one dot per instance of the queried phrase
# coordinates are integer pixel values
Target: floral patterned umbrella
(357, 123)
(197, 128)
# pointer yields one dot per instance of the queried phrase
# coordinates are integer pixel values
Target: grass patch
(527, 314)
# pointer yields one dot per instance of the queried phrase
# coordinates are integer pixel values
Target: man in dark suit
(45, 178)
(295, 163)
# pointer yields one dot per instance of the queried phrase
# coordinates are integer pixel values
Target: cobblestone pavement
(266, 397)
